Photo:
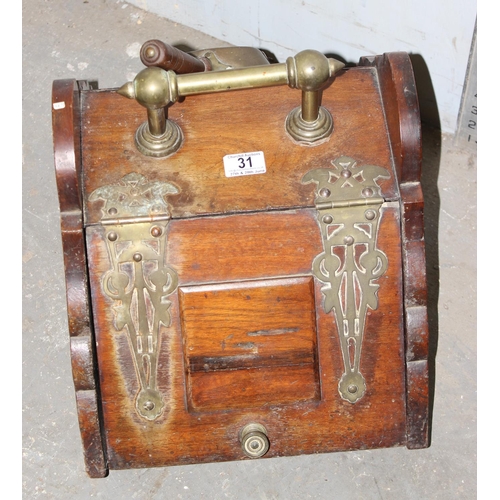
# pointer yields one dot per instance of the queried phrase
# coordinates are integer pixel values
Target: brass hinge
(139, 281)
(348, 203)
(358, 202)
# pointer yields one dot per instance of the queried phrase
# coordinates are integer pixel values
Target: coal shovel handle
(159, 54)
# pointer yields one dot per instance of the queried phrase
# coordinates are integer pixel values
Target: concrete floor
(88, 40)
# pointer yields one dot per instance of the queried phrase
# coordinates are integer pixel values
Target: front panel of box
(206, 325)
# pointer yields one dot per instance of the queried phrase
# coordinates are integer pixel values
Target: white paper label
(244, 164)
(59, 105)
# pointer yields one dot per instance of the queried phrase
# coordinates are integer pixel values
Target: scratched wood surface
(248, 339)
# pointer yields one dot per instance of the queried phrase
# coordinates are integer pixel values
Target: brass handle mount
(156, 89)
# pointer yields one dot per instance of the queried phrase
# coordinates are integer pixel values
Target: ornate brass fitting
(156, 89)
(139, 281)
(348, 202)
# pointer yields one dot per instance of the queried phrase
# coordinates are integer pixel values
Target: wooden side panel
(399, 96)
(416, 322)
(66, 134)
(417, 404)
(88, 419)
(206, 407)
(402, 111)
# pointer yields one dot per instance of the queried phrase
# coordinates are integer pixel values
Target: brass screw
(156, 231)
(149, 405)
(370, 214)
(112, 236)
(150, 53)
(325, 193)
(346, 173)
(137, 257)
(353, 389)
(327, 219)
(348, 240)
(368, 192)
(112, 211)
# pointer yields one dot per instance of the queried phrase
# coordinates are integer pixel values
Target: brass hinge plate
(139, 281)
(348, 203)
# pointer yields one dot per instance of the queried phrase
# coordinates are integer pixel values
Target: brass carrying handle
(156, 89)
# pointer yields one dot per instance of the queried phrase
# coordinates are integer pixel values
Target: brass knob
(254, 440)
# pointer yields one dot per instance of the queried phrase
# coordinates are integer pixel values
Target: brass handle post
(157, 121)
(311, 102)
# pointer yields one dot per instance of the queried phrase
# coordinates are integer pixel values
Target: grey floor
(89, 40)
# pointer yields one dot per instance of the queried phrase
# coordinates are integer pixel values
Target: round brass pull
(254, 440)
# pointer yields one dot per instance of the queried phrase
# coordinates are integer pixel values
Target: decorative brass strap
(139, 281)
(348, 203)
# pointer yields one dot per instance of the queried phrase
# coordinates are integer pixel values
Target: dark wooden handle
(157, 53)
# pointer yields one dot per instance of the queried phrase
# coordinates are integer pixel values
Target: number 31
(242, 162)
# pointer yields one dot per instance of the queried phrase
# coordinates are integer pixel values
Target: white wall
(437, 32)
